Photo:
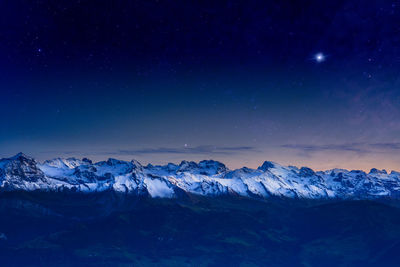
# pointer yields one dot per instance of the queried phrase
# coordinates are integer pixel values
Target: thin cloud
(197, 150)
(237, 148)
(69, 152)
(189, 150)
(387, 146)
(308, 148)
(359, 148)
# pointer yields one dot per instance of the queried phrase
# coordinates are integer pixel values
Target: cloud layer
(189, 150)
(359, 148)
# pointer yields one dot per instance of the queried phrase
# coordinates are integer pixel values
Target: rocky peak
(212, 167)
(306, 172)
(87, 161)
(115, 162)
(187, 166)
(22, 168)
(171, 167)
(136, 165)
(21, 157)
(266, 166)
(376, 171)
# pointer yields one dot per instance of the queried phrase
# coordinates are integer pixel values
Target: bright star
(319, 57)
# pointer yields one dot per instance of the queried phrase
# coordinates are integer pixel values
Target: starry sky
(305, 83)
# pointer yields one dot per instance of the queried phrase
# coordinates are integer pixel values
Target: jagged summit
(266, 165)
(376, 171)
(207, 177)
(22, 157)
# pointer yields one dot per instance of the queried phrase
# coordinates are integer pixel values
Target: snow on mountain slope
(208, 178)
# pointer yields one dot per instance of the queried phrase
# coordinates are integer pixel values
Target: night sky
(313, 83)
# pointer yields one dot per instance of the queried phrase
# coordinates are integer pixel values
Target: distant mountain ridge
(207, 178)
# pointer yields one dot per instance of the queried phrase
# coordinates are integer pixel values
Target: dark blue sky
(235, 81)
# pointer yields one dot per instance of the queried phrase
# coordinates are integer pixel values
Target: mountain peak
(21, 156)
(266, 166)
(376, 171)
(213, 166)
(88, 161)
(187, 165)
(114, 162)
(306, 172)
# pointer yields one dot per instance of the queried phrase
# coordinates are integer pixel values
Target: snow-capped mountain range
(208, 178)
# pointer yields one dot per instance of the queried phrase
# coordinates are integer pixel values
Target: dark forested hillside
(109, 229)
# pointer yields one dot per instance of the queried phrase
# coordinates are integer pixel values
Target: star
(319, 57)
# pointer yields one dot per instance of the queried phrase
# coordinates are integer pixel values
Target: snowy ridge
(208, 178)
